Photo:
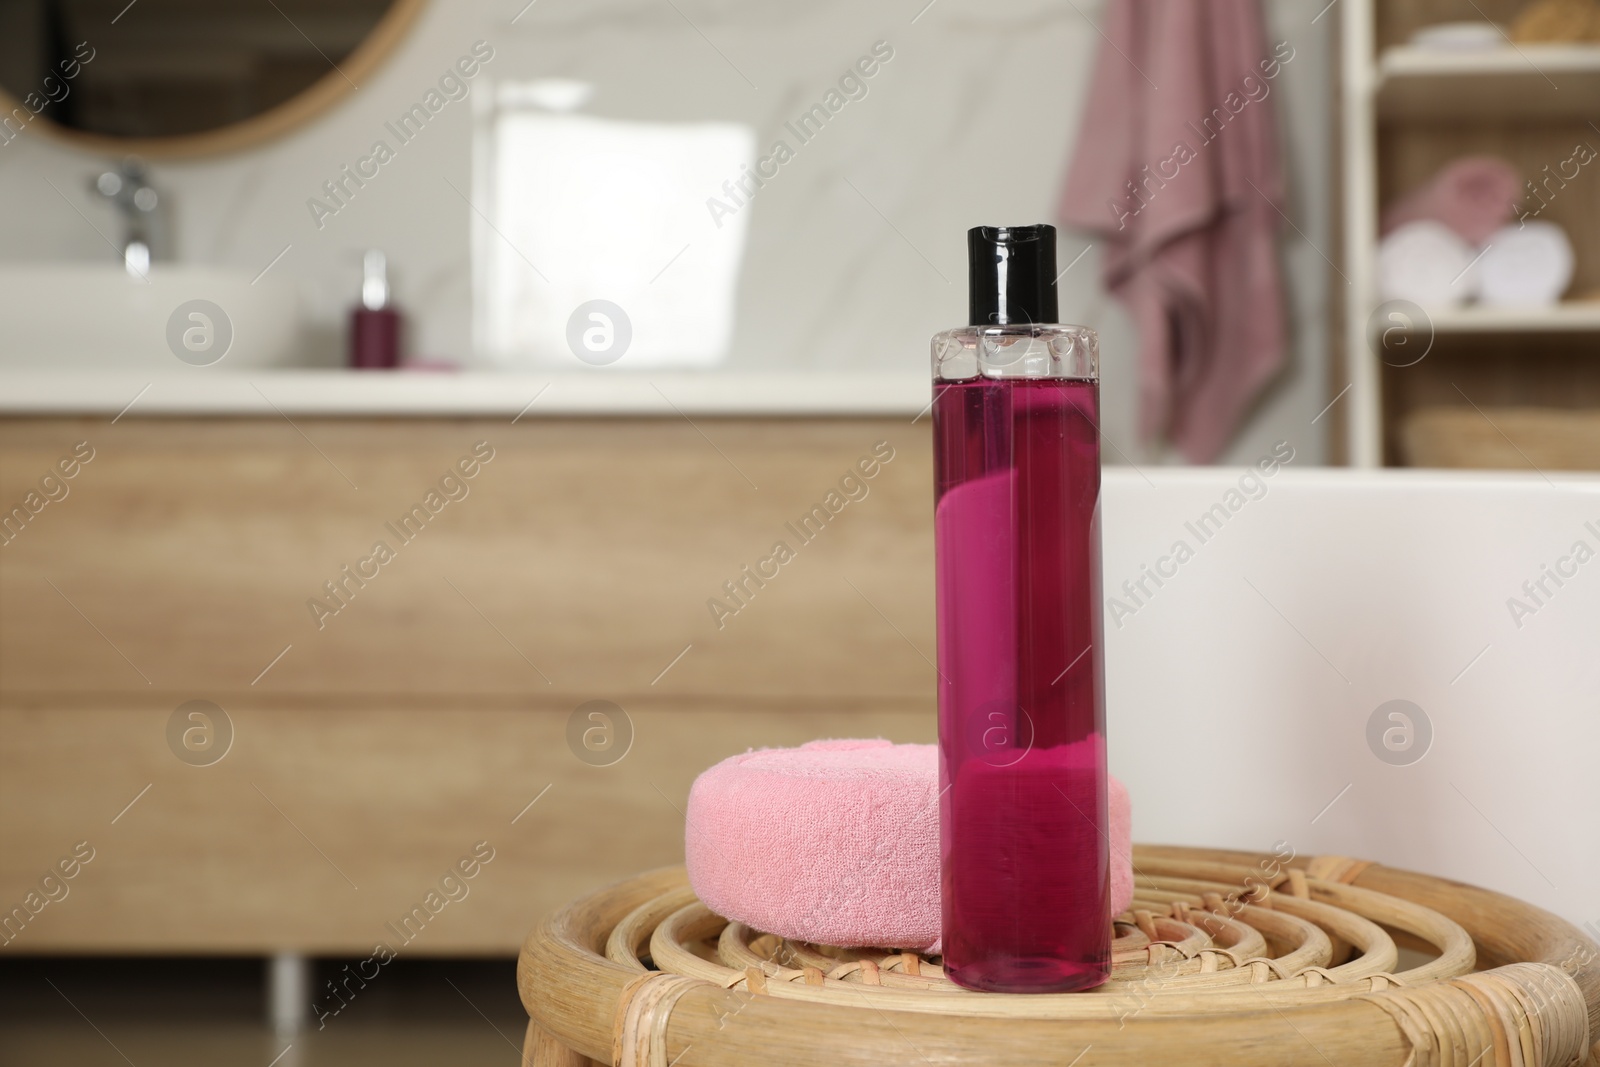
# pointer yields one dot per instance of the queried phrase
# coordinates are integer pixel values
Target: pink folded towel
(837, 843)
(1474, 196)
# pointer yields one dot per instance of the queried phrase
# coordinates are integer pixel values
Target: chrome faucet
(129, 190)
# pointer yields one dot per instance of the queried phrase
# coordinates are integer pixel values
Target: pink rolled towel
(837, 842)
(1474, 196)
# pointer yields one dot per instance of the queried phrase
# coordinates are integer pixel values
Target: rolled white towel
(1527, 265)
(1426, 263)
(1460, 37)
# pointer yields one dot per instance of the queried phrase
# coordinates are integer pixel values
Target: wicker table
(1232, 958)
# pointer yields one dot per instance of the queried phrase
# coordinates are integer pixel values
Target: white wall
(971, 122)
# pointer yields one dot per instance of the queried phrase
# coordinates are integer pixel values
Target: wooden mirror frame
(273, 123)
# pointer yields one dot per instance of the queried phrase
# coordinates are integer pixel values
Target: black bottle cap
(1011, 275)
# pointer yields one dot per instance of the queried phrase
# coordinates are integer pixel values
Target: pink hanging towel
(1177, 170)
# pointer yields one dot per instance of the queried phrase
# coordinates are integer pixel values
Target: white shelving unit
(1572, 316)
(1505, 82)
(1405, 83)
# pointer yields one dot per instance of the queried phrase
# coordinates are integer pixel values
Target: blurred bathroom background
(269, 267)
(594, 138)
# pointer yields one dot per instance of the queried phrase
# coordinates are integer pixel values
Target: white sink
(70, 316)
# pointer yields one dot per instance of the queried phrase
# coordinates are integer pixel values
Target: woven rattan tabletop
(1225, 958)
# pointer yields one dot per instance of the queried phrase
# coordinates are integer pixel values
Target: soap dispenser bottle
(1023, 817)
(375, 323)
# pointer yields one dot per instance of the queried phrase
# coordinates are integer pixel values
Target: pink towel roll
(837, 843)
(1474, 196)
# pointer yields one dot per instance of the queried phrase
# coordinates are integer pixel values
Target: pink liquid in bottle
(1026, 879)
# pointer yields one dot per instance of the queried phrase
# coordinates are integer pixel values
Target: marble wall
(854, 251)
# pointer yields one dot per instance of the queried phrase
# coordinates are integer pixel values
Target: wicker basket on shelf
(1229, 958)
(1546, 439)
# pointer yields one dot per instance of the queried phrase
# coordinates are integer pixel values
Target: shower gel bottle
(1023, 822)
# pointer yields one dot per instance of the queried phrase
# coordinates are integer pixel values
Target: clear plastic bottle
(1026, 876)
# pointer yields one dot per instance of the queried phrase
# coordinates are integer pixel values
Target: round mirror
(185, 77)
